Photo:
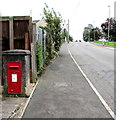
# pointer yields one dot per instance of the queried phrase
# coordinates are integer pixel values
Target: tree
(96, 34)
(65, 35)
(87, 32)
(90, 33)
(53, 30)
(112, 28)
(70, 38)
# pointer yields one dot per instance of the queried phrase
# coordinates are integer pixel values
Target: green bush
(39, 58)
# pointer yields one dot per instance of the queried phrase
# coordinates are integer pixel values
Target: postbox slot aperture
(13, 67)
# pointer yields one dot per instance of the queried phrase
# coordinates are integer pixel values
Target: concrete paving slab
(12, 107)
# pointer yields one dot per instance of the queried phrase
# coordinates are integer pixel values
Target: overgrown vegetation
(53, 30)
(39, 58)
(55, 35)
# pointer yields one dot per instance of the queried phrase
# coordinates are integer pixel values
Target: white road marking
(29, 99)
(94, 89)
(110, 48)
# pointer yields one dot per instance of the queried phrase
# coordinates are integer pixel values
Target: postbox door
(14, 77)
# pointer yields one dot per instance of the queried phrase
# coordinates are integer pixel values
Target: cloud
(79, 12)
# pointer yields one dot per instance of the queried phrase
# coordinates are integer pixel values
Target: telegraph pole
(30, 13)
(89, 35)
(109, 25)
(94, 29)
(68, 30)
(115, 10)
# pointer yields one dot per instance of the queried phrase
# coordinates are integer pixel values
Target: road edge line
(29, 99)
(94, 89)
(111, 48)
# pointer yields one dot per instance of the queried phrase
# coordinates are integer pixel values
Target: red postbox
(14, 77)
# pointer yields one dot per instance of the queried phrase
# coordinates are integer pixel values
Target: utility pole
(115, 10)
(0, 49)
(30, 13)
(94, 29)
(89, 34)
(94, 34)
(68, 31)
(109, 25)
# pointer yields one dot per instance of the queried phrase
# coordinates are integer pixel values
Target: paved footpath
(63, 92)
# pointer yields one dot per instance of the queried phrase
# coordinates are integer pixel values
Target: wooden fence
(17, 33)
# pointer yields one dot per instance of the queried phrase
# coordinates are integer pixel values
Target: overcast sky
(79, 12)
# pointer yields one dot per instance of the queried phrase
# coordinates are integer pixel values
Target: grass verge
(110, 43)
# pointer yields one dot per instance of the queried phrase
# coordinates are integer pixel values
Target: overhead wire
(75, 10)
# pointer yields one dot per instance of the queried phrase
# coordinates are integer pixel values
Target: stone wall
(22, 56)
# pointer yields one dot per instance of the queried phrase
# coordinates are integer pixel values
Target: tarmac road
(63, 92)
(98, 64)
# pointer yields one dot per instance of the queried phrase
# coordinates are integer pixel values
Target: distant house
(39, 23)
(36, 21)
